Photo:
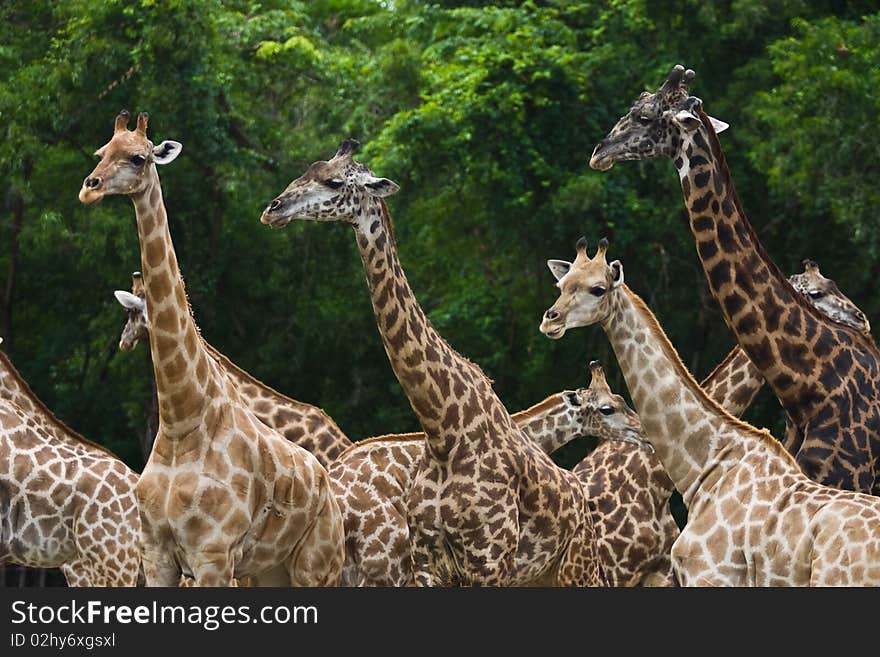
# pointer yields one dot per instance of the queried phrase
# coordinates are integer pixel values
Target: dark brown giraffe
(824, 372)
(736, 381)
(487, 507)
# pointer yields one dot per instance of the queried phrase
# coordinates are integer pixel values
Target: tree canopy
(484, 113)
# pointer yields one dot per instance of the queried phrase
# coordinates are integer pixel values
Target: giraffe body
(302, 424)
(222, 496)
(487, 506)
(372, 482)
(825, 373)
(736, 380)
(65, 502)
(753, 517)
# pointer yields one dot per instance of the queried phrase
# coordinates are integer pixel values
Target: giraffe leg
(579, 565)
(76, 574)
(212, 568)
(319, 559)
(160, 569)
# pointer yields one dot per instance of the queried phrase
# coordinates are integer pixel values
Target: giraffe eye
(815, 294)
(597, 290)
(644, 119)
(138, 160)
(606, 410)
(333, 183)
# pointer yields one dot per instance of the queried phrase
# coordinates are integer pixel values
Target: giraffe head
(657, 125)
(135, 304)
(338, 189)
(610, 415)
(827, 297)
(127, 161)
(585, 290)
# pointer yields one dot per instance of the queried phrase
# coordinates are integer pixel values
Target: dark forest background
(484, 113)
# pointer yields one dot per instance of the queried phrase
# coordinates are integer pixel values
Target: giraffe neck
(180, 364)
(768, 317)
(547, 426)
(734, 383)
(15, 389)
(450, 396)
(678, 418)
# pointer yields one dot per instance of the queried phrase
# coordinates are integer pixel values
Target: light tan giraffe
(372, 480)
(628, 491)
(135, 329)
(487, 506)
(753, 517)
(303, 424)
(736, 381)
(222, 496)
(64, 501)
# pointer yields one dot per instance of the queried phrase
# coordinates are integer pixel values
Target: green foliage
(485, 113)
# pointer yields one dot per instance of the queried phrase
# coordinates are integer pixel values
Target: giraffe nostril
(551, 314)
(92, 183)
(274, 205)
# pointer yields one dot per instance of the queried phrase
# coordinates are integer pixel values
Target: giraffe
(487, 507)
(222, 496)
(736, 381)
(302, 424)
(754, 518)
(628, 491)
(134, 331)
(824, 372)
(372, 480)
(64, 501)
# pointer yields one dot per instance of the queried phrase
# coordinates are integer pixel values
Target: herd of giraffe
(245, 486)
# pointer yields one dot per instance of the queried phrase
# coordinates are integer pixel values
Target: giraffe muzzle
(551, 326)
(272, 215)
(91, 191)
(600, 160)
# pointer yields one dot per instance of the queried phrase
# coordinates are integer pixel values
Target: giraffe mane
(41, 406)
(412, 437)
(540, 407)
(763, 436)
(799, 299)
(389, 225)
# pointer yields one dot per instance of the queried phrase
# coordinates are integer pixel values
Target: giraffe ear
(558, 268)
(687, 120)
(379, 186)
(616, 274)
(719, 126)
(166, 151)
(129, 301)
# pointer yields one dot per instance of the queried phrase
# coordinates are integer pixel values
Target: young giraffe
(487, 507)
(64, 501)
(372, 480)
(223, 496)
(754, 518)
(736, 381)
(628, 491)
(302, 424)
(826, 374)
(134, 331)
